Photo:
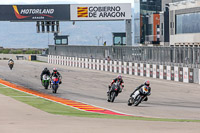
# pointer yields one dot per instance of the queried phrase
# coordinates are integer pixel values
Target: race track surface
(17, 117)
(168, 99)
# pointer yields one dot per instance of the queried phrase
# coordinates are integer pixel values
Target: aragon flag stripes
(82, 11)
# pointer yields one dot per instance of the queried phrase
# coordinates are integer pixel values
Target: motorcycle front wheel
(112, 96)
(130, 101)
(54, 87)
(46, 85)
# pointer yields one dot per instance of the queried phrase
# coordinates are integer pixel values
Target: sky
(64, 1)
(28, 34)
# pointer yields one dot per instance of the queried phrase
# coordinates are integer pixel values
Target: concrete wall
(165, 72)
(25, 57)
(42, 58)
(13, 56)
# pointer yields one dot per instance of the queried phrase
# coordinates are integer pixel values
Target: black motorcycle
(11, 64)
(139, 96)
(113, 91)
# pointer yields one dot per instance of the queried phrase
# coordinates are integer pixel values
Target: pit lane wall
(174, 73)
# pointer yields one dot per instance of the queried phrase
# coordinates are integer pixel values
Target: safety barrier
(175, 73)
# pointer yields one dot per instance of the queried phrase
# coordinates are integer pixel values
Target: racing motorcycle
(45, 81)
(114, 91)
(55, 84)
(139, 96)
(11, 64)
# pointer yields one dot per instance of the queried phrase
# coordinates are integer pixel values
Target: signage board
(51, 12)
(115, 11)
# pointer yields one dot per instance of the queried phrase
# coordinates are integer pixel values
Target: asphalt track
(168, 100)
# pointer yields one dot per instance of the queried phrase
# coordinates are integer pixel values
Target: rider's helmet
(147, 83)
(119, 77)
(54, 70)
(45, 68)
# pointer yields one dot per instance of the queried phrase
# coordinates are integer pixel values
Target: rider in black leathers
(45, 71)
(147, 83)
(56, 74)
(119, 78)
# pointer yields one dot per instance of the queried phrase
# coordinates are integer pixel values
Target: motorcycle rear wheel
(138, 100)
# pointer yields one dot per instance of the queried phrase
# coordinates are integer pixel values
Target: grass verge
(59, 109)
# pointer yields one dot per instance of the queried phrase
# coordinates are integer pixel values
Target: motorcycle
(45, 81)
(139, 96)
(11, 64)
(114, 91)
(55, 84)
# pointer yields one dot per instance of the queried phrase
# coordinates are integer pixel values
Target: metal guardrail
(174, 56)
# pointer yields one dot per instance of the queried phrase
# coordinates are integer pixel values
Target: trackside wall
(165, 72)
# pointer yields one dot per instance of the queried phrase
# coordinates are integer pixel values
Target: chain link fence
(174, 56)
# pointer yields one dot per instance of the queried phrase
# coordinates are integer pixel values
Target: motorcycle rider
(56, 74)
(45, 71)
(146, 83)
(119, 79)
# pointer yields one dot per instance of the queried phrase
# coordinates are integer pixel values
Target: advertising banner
(120, 67)
(53, 12)
(115, 11)
(154, 71)
(180, 74)
(125, 67)
(106, 65)
(94, 64)
(130, 68)
(86, 63)
(115, 66)
(168, 72)
(147, 70)
(136, 68)
(141, 69)
(185, 75)
(76, 62)
(98, 64)
(176, 74)
(161, 71)
(73, 61)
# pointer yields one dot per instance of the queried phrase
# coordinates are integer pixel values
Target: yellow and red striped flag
(82, 11)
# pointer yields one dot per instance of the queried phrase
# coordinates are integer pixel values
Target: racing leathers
(45, 71)
(57, 75)
(120, 81)
(141, 87)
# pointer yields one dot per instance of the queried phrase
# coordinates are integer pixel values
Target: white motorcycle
(139, 96)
